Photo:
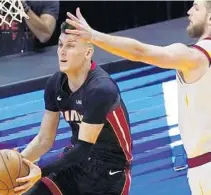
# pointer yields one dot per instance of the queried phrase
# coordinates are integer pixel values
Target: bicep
(49, 126)
(89, 132)
(175, 56)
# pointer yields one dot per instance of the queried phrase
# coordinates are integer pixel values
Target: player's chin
(63, 68)
(190, 29)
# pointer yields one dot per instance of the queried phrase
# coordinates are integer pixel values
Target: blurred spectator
(25, 36)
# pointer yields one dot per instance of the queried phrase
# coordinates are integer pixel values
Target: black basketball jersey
(97, 101)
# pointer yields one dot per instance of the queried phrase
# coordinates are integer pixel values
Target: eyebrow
(69, 41)
(195, 4)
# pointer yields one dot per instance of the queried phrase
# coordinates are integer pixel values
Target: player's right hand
(27, 182)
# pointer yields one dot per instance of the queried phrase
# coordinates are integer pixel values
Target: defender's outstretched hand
(83, 30)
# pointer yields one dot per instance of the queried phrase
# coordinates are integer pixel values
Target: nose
(62, 52)
(189, 11)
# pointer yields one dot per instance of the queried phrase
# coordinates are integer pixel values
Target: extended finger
(74, 32)
(72, 17)
(24, 179)
(23, 187)
(75, 24)
(22, 191)
(79, 15)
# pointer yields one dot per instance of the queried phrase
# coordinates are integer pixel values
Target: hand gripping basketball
(27, 182)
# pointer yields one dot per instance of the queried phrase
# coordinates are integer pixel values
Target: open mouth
(63, 61)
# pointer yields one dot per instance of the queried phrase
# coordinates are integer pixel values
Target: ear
(209, 19)
(89, 53)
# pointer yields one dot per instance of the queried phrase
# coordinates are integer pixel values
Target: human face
(198, 17)
(72, 53)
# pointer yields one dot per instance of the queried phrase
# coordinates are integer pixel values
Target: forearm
(79, 153)
(35, 149)
(161, 56)
(124, 47)
(38, 27)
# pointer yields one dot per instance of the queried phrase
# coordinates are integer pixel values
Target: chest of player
(72, 107)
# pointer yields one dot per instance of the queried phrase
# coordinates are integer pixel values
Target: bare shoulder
(191, 57)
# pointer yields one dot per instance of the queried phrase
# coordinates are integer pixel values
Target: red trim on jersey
(93, 66)
(207, 38)
(203, 51)
(120, 126)
(126, 188)
(199, 160)
(51, 186)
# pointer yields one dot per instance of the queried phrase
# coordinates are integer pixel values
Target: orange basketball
(11, 168)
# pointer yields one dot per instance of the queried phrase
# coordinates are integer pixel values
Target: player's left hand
(83, 30)
(30, 180)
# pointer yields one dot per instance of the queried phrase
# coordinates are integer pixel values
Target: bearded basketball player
(193, 74)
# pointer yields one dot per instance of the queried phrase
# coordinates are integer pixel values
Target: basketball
(11, 168)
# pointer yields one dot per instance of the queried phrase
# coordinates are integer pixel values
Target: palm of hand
(83, 30)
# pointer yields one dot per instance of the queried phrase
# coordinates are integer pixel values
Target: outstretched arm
(175, 56)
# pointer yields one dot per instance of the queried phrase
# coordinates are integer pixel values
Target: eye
(196, 7)
(70, 45)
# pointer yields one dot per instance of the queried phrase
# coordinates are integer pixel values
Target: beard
(195, 31)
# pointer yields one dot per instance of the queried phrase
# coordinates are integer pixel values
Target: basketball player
(192, 65)
(90, 101)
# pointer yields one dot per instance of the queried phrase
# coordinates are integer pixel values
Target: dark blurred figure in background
(33, 32)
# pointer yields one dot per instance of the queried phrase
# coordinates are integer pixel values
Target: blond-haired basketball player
(192, 65)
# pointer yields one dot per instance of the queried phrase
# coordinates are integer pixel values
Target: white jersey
(194, 109)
